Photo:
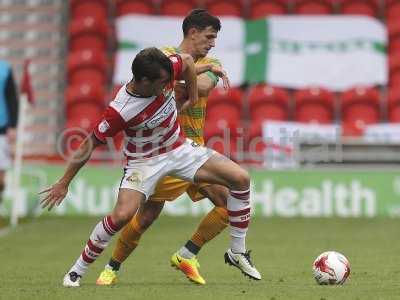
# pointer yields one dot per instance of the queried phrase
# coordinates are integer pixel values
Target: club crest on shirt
(103, 126)
(135, 179)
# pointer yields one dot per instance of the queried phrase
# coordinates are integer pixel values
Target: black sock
(192, 247)
(115, 265)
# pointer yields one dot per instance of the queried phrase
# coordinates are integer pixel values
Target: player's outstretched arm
(55, 194)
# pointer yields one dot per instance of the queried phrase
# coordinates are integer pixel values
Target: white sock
(185, 253)
(239, 216)
(98, 241)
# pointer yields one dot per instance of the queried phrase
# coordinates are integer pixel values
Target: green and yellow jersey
(192, 119)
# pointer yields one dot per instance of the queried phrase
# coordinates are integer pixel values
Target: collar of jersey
(133, 94)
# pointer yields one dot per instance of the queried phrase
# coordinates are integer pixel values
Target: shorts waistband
(164, 150)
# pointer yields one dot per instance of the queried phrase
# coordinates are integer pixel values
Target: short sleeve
(210, 74)
(110, 124)
(177, 65)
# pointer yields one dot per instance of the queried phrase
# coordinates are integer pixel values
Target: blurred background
(316, 120)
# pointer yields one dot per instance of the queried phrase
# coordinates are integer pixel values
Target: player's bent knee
(240, 180)
(121, 217)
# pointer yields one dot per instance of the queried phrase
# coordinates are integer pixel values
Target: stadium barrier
(296, 193)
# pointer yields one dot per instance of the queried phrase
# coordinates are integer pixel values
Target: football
(331, 267)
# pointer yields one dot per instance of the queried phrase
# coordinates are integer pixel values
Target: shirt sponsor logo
(161, 116)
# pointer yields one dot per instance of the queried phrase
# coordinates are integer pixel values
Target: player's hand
(217, 70)
(180, 92)
(54, 195)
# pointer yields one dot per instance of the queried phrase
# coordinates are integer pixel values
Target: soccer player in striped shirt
(200, 30)
(145, 109)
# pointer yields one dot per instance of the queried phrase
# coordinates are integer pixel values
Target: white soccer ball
(331, 267)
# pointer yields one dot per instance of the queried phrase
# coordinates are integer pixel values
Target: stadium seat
(83, 101)
(89, 8)
(261, 8)
(394, 105)
(394, 36)
(225, 7)
(314, 7)
(87, 67)
(126, 7)
(221, 135)
(360, 7)
(256, 145)
(176, 7)
(314, 105)
(268, 103)
(392, 9)
(224, 105)
(360, 106)
(88, 33)
(394, 70)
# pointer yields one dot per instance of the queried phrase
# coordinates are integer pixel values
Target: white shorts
(183, 162)
(5, 157)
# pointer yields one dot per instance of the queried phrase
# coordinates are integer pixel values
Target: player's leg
(129, 238)
(126, 206)
(212, 224)
(166, 189)
(220, 170)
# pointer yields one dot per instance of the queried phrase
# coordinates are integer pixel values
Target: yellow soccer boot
(189, 267)
(107, 277)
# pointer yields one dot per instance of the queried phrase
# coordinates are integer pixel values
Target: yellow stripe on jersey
(192, 119)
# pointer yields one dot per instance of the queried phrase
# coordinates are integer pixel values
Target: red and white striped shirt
(150, 124)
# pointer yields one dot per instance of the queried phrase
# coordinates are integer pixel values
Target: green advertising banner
(273, 193)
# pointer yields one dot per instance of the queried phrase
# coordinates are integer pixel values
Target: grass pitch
(34, 258)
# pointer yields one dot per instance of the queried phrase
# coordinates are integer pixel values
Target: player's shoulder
(122, 100)
(169, 50)
(209, 60)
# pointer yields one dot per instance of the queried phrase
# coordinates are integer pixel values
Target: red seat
(360, 106)
(77, 129)
(261, 9)
(222, 136)
(225, 7)
(360, 7)
(392, 9)
(394, 70)
(176, 7)
(85, 93)
(224, 105)
(126, 7)
(314, 105)
(87, 66)
(394, 36)
(88, 33)
(257, 145)
(89, 8)
(394, 105)
(268, 103)
(313, 7)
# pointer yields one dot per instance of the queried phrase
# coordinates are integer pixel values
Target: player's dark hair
(149, 62)
(200, 19)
